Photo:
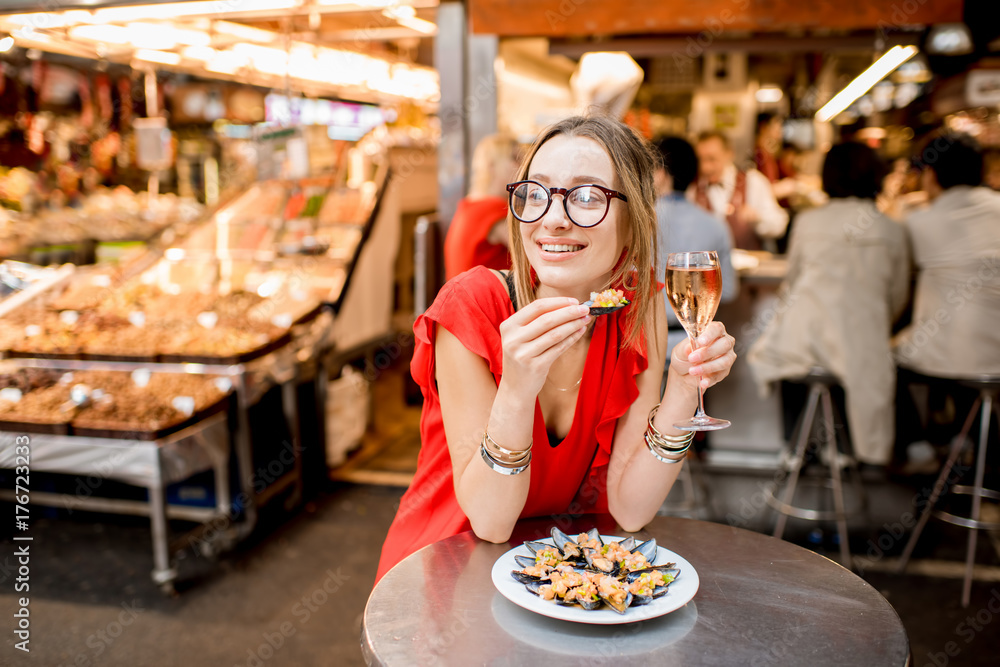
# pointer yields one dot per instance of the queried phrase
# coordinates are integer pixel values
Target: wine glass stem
(700, 412)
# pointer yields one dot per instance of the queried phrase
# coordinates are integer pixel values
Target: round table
(762, 601)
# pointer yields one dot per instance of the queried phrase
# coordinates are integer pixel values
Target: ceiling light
(105, 34)
(176, 10)
(880, 69)
(203, 53)
(150, 36)
(244, 32)
(949, 39)
(264, 59)
(6, 44)
(769, 95)
(162, 57)
(226, 62)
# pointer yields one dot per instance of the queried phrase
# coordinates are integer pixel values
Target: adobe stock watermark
(301, 613)
(752, 505)
(712, 29)
(922, 333)
(892, 533)
(750, 331)
(447, 633)
(900, 17)
(967, 630)
(101, 640)
(87, 485)
(263, 476)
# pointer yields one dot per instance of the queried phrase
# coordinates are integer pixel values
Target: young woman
(532, 406)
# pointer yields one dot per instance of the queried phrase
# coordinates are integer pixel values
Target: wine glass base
(703, 424)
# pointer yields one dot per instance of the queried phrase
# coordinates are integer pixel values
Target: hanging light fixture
(880, 69)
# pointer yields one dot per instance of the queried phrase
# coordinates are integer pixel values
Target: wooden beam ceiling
(580, 18)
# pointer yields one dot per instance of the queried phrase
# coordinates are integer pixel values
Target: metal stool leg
(838, 488)
(956, 448)
(977, 496)
(800, 456)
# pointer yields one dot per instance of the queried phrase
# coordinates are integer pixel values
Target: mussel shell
(639, 600)
(619, 608)
(560, 538)
(595, 534)
(647, 549)
(535, 547)
(522, 578)
(590, 605)
(658, 591)
(600, 563)
(534, 586)
(599, 310)
(525, 561)
(627, 544)
(668, 568)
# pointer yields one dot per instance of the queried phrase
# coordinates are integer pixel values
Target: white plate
(680, 592)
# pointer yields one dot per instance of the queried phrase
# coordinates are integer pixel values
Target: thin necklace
(567, 388)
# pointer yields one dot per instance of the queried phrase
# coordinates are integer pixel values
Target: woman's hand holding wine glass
(694, 288)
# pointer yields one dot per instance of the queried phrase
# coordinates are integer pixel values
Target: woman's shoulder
(479, 279)
(478, 290)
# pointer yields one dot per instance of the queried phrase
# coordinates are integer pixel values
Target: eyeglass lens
(585, 205)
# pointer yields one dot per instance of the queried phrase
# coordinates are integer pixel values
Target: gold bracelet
(668, 441)
(502, 454)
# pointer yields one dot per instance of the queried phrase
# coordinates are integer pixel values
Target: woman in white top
(848, 280)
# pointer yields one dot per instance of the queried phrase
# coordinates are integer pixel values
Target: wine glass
(694, 287)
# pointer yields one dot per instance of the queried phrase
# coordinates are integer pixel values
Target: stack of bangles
(667, 448)
(504, 461)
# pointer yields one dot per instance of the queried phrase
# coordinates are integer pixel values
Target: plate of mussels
(594, 578)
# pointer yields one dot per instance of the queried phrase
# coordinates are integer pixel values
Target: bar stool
(984, 405)
(819, 382)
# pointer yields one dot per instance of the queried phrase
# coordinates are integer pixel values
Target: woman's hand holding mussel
(535, 336)
(709, 363)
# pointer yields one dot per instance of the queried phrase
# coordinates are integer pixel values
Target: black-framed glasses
(585, 205)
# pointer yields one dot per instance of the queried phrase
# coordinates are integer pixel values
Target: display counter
(241, 304)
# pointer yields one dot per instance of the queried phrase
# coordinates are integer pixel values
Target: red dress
(568, 478)
(466, 245)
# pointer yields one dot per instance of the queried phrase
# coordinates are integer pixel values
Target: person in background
(477, 235)
(768, 143)
(743, 199)
(683, 226)
(955, 329)
(787, 168)
(848, 280)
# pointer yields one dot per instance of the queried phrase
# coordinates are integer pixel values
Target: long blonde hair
(633, 161)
